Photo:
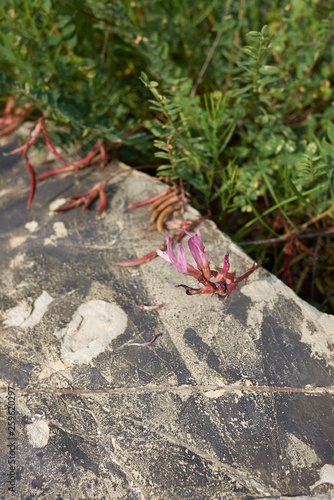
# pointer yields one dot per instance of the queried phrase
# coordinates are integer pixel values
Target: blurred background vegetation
(232, 98)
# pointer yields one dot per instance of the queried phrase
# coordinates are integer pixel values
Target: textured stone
(234, 401)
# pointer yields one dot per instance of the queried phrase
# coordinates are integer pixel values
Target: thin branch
(105, 43)
(286, 238)
(234, 45)
(318, 217)
(206, 64)
(209, 56)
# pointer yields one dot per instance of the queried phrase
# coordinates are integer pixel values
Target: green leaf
(72, 42)
(68, 31)
(265, 30)
(327, 148)
(51, 40)
(269, 70)
(61, 21)
(253, 34)
(330, 132)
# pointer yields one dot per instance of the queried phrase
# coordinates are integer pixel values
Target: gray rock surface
(234, 401)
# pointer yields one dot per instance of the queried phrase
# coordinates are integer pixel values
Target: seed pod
(168, 202)
(152, 199)
(163, 215)
(161, 200)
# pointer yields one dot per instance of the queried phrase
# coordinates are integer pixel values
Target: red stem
(64, 208)
(89, 201)
(149, 200)
(85, 161)
(32, 182)
(51, 147)
(103, 201)
(141, 260)
(30, 142)
(55, 171)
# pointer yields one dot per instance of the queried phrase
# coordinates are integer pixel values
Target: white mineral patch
(215, 393)
(320, 336)
(300, 454)
(56, 204)
(3, 192)
(265, 291)
(53, 366)
(49, 241)
(17, 261)
(38, 433)
(60, 229)
(31, 226)
(39, 309)
(254, 318)
(326, 476)
(16, 241)
(25, 315)
(18, 314)
(94, 325)
(317, 328)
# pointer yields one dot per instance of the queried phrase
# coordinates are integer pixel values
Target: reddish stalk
(30, 142)
(32, 182)
(87, 199)
(50, 145)
(103, 201)
(150, 200)
(176, 237)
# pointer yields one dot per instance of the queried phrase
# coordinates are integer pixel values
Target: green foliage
(236, 96)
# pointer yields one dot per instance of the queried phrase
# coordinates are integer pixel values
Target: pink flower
(196, 247)
(219, 283)
(180, 263)
(223, 272)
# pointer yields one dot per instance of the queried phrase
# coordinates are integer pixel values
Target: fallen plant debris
(189, 225)
(151, 308)
(171, 200)
(13, 116)
(145, 344)
(96, 155)
(87, 199)
(223, 282)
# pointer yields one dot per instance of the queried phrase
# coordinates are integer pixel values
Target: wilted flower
(196, 247)
(219, 282)
(180, 263)
(224, 270)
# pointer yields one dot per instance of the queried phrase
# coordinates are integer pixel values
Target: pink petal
(170, 252)
(164, 255)
(226, 265)
(223, 272)
(181, 264)
(199, 240)
(199, 255)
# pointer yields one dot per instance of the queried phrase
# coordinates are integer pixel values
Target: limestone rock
(234, 401)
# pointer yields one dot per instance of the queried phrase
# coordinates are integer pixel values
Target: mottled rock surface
(234, 401)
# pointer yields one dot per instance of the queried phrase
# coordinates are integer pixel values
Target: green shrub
(237, 97)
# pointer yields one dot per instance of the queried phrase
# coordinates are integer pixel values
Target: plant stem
(32, 22)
